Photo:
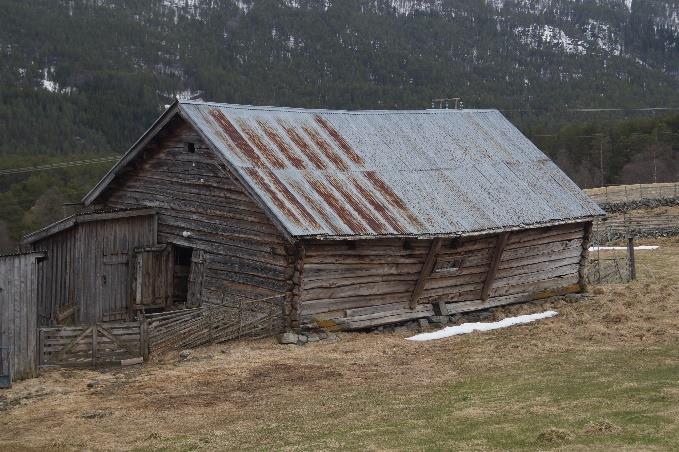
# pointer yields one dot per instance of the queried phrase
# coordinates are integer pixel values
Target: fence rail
(616, 228)
(90, 345)
(636, 192)
(214, 323)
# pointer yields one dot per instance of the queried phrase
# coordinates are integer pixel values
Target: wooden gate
(91, 345)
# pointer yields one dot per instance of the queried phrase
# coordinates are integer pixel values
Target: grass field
(602, 375)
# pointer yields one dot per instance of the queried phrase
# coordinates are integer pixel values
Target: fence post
(630, 258)
(641, 192)
(94, 345)
(606, 188)
(240, 316)
(144, 339)
(626, 199)
(210, 324)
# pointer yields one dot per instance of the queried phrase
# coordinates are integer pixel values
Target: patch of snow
(539, 37)
(408, 7)
(244, 5)
(188, 94)
(611, 248)
(466, 328)
(51, 85)
(603, 36)
(188, 8)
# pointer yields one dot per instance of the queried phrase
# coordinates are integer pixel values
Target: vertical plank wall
(89, 266)
(202, 207)
(105, 262)
(370, 282)
(18, 309)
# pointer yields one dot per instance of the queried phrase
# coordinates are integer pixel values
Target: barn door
(196, 278)
(153, 278)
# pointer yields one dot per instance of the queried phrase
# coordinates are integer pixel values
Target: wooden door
(153, 277)
(115, 280)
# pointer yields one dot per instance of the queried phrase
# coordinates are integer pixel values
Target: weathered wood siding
(91, 345)
(201, 206)
(365, 283)
(88, 267)
(18, 308)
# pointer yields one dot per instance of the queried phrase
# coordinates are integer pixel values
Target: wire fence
(609, 266)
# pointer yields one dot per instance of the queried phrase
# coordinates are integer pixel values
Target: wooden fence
(214, 323)
(619, 227)
(91, 345)
(110, 343)
(636, 192)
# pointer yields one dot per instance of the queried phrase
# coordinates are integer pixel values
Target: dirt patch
(554, 435)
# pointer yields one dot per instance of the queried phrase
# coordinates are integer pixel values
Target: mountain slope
(89, 75)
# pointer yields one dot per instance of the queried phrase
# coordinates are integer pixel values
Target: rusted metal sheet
(337, 173)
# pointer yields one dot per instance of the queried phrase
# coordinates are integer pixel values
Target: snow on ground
(611, 248)
(482, 326)
(538, 37)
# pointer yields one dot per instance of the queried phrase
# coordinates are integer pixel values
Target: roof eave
(458, 234)
(85, 217)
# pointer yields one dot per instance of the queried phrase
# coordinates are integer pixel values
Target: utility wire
(57, 165)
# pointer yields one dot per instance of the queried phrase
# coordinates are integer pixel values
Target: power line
(57, 165)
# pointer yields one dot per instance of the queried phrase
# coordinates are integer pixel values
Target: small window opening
(448, 266)
(190, 147)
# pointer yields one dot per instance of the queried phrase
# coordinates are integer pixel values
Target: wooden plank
(426, 271)
(494, 265)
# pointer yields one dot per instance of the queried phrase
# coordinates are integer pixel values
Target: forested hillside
(85, 77)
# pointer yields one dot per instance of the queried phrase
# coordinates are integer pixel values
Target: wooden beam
(427, 267)
(494, 265)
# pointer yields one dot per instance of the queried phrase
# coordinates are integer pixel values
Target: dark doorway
(182, 269)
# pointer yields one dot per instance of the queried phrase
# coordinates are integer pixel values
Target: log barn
(353, 218)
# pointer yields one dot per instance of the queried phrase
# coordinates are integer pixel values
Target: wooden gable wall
(202, 206)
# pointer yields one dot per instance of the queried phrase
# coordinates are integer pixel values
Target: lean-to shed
(89, 270)
(358, 217)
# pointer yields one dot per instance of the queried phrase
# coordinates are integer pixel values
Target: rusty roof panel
(340, 173)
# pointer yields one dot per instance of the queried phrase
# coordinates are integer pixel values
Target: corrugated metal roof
(341, 173)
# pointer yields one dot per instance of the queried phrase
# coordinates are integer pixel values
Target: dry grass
(601, 375)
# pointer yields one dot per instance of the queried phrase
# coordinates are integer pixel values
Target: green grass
(547, 403)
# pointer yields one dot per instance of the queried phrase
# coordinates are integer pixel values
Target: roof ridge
(330, 111)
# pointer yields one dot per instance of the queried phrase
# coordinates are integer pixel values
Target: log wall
(201, 206)
(367, 283)
(18, 308)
